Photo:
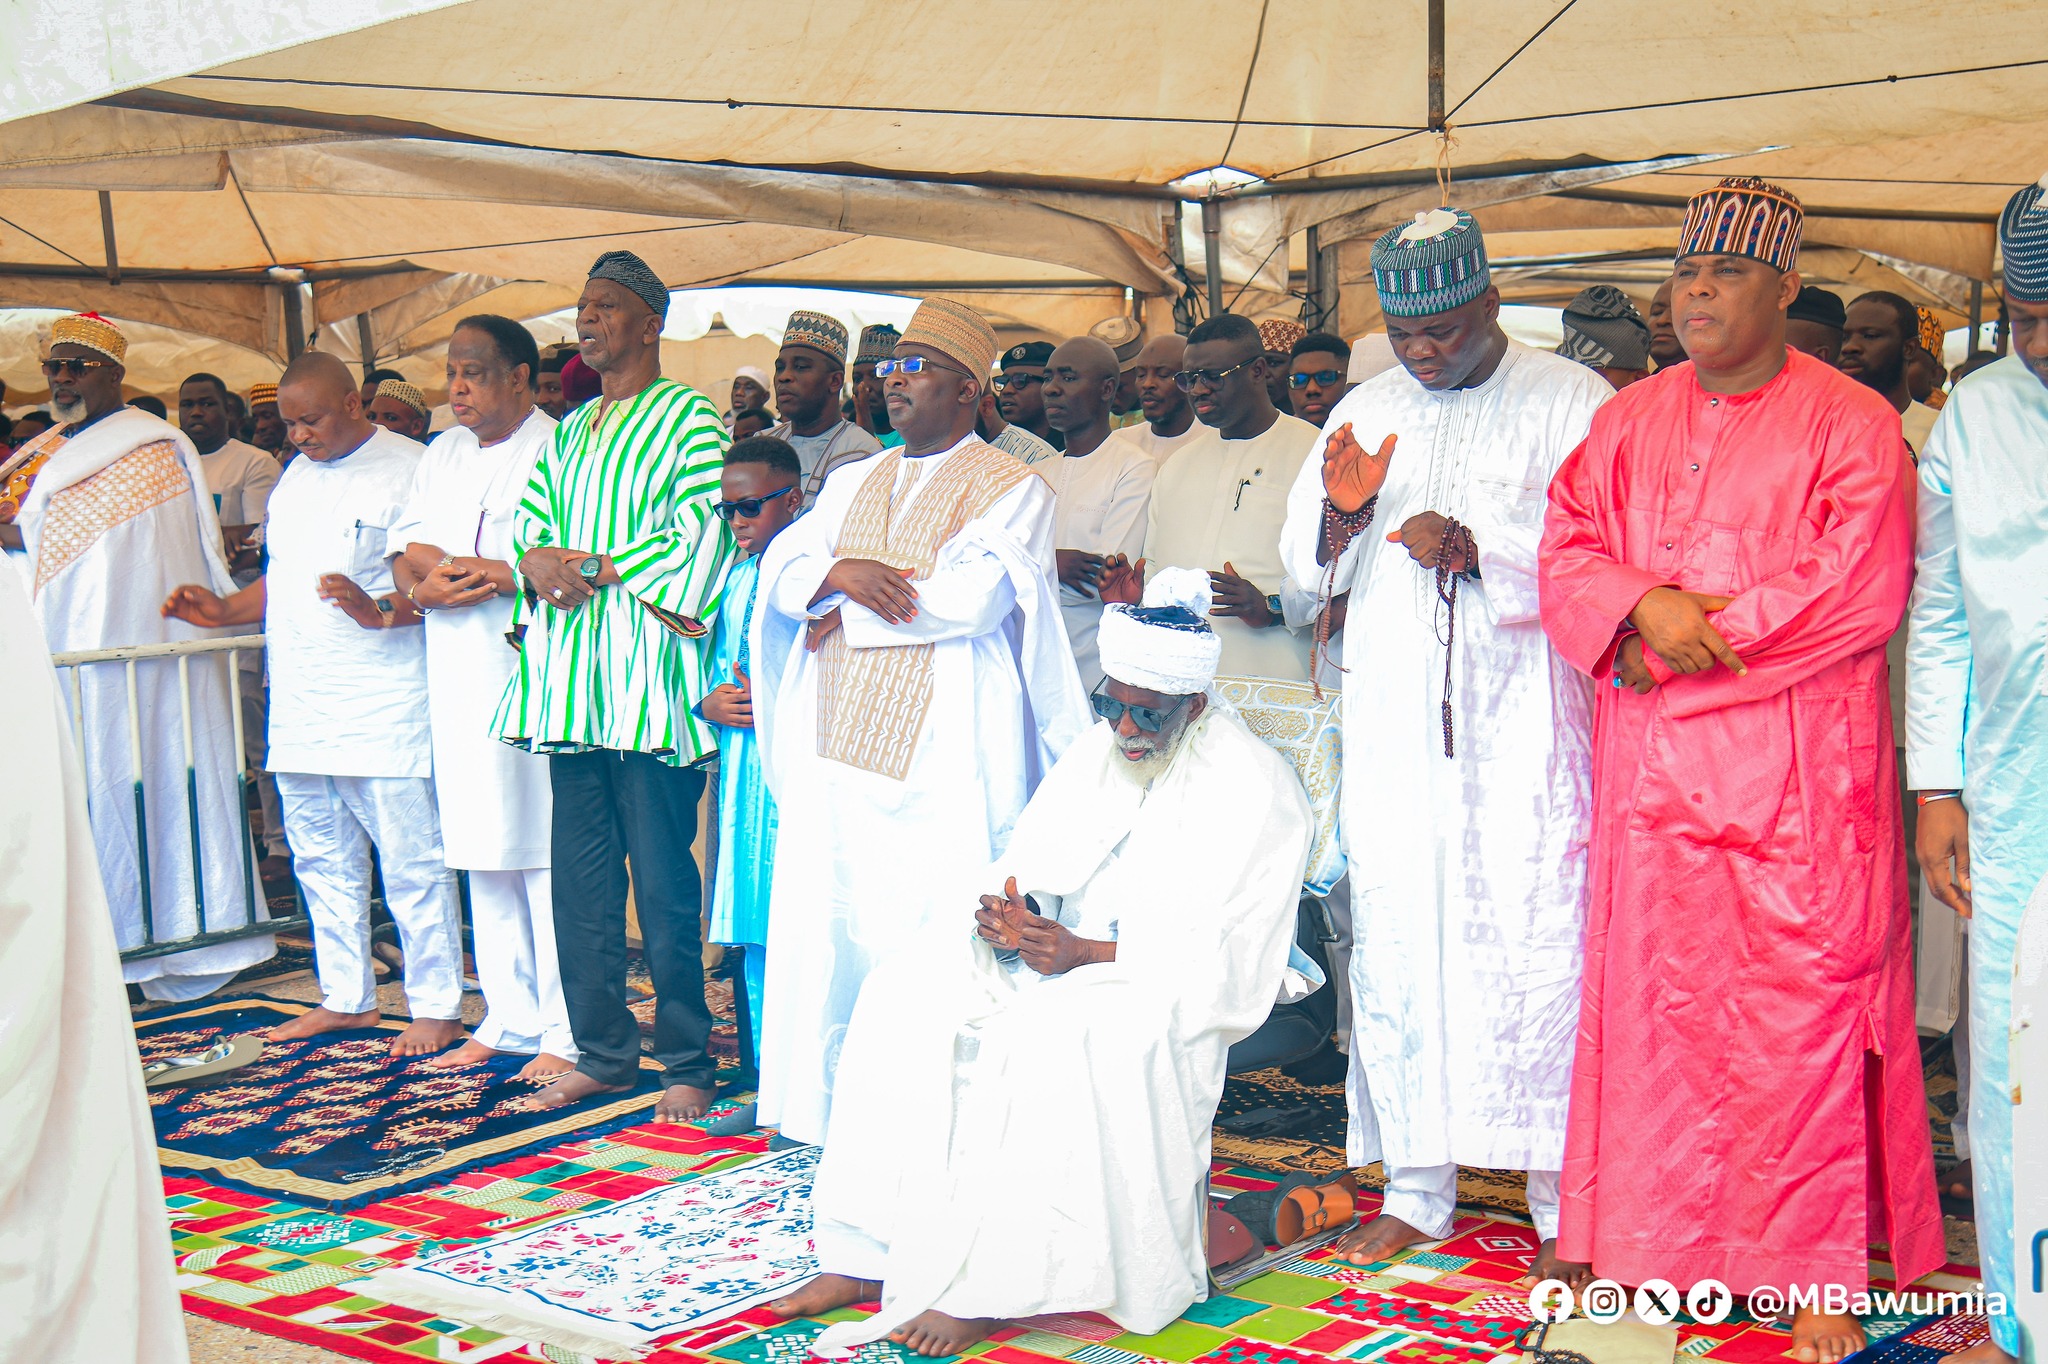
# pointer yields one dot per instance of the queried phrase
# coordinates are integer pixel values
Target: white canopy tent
(478, 155)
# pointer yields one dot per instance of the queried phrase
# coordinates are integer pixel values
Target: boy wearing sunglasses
(1316, 377)
(760, 492)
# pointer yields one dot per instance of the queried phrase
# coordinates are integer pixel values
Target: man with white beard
(1082, 1028)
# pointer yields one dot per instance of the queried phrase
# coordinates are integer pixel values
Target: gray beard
(1146, 770)
(70, 413)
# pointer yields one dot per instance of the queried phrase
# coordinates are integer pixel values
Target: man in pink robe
(1726, 555)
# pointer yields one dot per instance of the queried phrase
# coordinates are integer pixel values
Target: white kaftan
(958, 1074)
(116, 520)
(85, 1247)
(868, 848)
(496, 809)
(1219, 502)
(1468, 873)
(1099, 504)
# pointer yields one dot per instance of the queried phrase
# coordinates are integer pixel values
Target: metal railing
(72, 664)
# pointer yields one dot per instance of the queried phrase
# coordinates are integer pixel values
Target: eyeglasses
(1322, 378)
(1213, 378)
(1149, 719)
(910, 364)
(1017, 380)
(749, 507)
(72, 367)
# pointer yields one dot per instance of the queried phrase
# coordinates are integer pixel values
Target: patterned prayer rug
(679, 1257)
(278, 1268)
(333, 1121)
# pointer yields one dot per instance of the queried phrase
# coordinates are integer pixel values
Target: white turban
(1165, 645)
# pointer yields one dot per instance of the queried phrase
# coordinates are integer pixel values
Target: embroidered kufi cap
(262, 393)
(629, 271)
(1743, 216)
(405, 393)
(955, 330)
(1432, 265)
(826, 335)
(91, 331)
(876, 343)
(2023, 243)
(1278, 335)
(1602, 327)
(1166, 644)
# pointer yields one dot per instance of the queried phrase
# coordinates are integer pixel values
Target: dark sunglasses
(1019, 380)
(1149, 719)
(74, 368)
(1322, 378)
(749, 507)
(1185, 380)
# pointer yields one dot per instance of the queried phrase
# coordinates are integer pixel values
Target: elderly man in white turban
(1081, 1028)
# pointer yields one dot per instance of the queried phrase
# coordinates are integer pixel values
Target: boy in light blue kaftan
(760, 492)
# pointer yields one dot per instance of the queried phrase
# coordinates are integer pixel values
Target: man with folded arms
(912, 681)
(1725, 556)
(1113, 961)
(622, 564)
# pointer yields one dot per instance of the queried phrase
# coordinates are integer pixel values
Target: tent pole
(107, 236)
(367, 344)
(1976, 318)
(294, 323)
(1212, 253)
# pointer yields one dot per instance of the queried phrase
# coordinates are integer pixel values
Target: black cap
(1030, 353)
(1818, 305)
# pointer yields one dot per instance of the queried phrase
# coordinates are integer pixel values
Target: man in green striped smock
(620, 562)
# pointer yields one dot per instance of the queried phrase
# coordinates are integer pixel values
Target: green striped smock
(609, 674)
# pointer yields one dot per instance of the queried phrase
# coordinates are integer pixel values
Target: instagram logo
(1604, 1302)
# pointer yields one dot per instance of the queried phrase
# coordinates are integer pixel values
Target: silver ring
(558, 594)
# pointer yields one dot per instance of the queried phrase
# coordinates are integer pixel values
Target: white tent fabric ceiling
(928, 148)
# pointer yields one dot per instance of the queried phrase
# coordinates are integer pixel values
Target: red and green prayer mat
(283, 1269)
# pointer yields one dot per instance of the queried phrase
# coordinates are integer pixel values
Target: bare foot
(470, 1053)
(571, 1088)
(826, 1293)
(683, 1103)
(1380, 1239)
(1824, 1338)
(425, 1036)
(1957, 1181)
(316, 1021)
(544, 1068)
(1548, 1266)
(935, 1334)
(1983, 1352)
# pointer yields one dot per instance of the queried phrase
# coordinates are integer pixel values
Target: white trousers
(1426, 1198)
(331, 823)
(512, 924)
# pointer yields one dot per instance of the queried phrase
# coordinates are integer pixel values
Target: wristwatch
(590, 568)
(1273, 609)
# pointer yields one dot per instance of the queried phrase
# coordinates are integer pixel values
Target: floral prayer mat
(284, 1270)
(678, 1257)
(333, 1121)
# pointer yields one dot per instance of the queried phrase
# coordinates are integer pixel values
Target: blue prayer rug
(335, 1121)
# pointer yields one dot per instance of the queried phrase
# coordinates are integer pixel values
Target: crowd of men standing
(1627, 895)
